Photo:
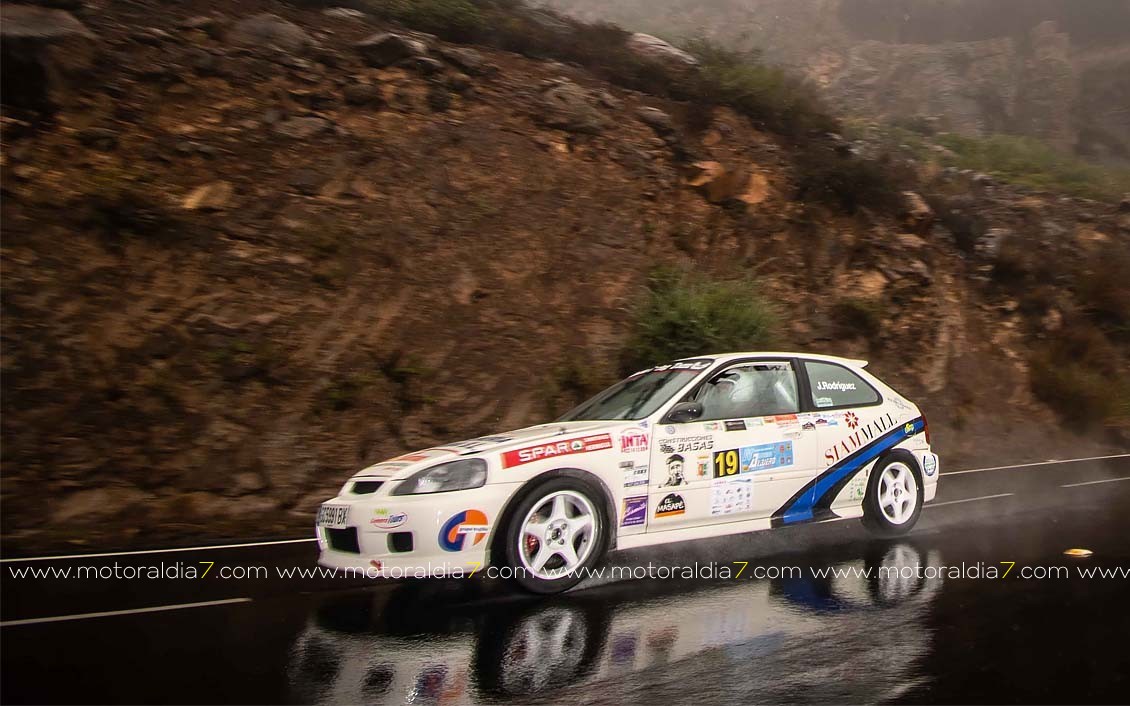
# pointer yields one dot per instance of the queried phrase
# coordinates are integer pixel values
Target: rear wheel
(556, 532)
(894, 496)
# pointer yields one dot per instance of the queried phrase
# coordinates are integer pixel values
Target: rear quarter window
(836, 386)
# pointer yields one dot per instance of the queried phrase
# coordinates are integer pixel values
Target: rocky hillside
(1058, 70)
(250, 247)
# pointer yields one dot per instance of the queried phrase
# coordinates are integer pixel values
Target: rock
(989, 244)
(343, 13)
(909, 241)
(204, 23)
(302, 128)
(655, 49)
(248, 482)
(1124, 205)
(98, 502)
(214, 196)
(439, 99)
(363, 94)
(269, 30)
(424, 65)
(608, 100)
(384, 49)
(460, 83)
(756, 191)
(657, 119)
(308, 182)
(151, 36)
(982, 180)
(44, 53)
(469, 60)
(916, 214)
(567, 106)
(718, 183)
(99, 138)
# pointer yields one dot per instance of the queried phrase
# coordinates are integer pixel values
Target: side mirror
(685, 412)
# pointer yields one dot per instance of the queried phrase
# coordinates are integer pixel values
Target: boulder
(718, 183)
(655, 49)
(302, 128)
(916, 214)
(468, 60)
(343, 13)
(213, 196)
(268, 30)
(45, 52)
(384, 49)
(567, 106)
(656, 119)
(362, 94)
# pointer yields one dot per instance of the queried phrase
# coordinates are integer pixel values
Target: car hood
(403, 466)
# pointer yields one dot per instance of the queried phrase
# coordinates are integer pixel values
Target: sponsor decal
(702, 465)
(670, 430)
(825, 402)
(413, 457)
(464, 529)
(675, 475)
(909, 428)
(786, 419)
(473, 444)
(809, 426)
(635, 476)
(633, 441)
(711, 426)
(384, 519)
(929, 464)
(518, 457)
(692, 365)
(857, 489)
(671, 505)
(735, 425)
(635, 511)
(837, 386)
(753, 458)
(813, 501)
(901, 404)
(686, 444)
(731, 495)
(861, 436)
(624, 465)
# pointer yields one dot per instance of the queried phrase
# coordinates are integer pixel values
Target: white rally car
(701, 447)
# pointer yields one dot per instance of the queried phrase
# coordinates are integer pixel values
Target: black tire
(874, 517)
(513, 535)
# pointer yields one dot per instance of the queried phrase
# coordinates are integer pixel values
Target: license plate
(333, 516)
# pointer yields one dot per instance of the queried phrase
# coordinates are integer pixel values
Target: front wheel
(894, 496)
(555, 534)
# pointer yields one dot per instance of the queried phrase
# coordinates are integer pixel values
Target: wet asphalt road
(923, 635)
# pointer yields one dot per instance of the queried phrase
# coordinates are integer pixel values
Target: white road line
(106, 614)
(163, 551)
(1093, 482)
(1039, 463)
(968, 500)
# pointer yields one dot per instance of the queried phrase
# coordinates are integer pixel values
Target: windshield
(639, 395)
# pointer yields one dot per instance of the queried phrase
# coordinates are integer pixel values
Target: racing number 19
(725, 463)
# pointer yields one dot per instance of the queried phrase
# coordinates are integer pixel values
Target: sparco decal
(671, 505)
(633, 441)
(597, 442)
(860, 437)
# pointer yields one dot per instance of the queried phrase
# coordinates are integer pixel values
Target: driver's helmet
(736, 390)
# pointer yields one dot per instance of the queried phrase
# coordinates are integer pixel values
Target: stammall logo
(858, 439)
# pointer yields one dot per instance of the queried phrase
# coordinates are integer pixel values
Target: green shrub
(1078, 375)
(858, 317)
(459, 20)
(685, 314)
(1031, 162)
(1103, 288)
(771, 95)
(848, 183)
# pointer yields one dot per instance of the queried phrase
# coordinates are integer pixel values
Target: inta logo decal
(633, 441)
(463, 525)
(671, 505)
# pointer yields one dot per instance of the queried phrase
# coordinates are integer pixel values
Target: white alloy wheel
(558, 534)
(898, 493)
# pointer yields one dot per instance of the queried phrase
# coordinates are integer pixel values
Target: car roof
(726, 357)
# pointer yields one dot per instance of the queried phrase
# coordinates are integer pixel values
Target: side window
(750, 390)
(836, 386)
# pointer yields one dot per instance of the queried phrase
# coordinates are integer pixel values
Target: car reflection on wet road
(353, 650)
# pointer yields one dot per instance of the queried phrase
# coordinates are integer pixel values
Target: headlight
(457, 475)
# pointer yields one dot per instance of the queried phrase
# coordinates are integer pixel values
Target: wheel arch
(498, 536)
